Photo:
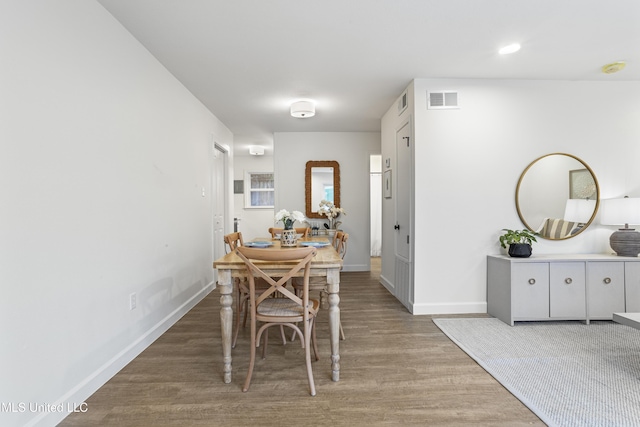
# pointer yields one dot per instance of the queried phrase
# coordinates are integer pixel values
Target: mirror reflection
(557, 196)
(322, 182)
(321, 185)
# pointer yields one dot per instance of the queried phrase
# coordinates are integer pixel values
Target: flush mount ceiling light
(303, 109)
(256, 150)
(614, 67)
(512, 48)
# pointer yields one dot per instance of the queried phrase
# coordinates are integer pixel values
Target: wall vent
(442, 100)
(402, 103)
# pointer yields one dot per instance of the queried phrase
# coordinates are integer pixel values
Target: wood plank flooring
(396, 369)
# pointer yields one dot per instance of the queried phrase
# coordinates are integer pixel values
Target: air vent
(402, 103)
(442, 100)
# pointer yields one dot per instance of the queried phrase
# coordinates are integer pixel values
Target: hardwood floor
(396, 369)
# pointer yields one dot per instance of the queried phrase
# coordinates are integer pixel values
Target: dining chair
(305, 231)
(287, 310)
(319, 283)
(234, 241)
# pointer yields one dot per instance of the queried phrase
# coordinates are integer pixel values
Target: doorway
(375, 211)
(219, 199)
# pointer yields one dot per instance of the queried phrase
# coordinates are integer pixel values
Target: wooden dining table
(327, 263)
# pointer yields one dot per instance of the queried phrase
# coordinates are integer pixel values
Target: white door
(402, 194)
(219, 199)
(403, 277)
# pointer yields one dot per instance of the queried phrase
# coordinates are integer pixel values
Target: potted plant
(288, 236)
(519, 242)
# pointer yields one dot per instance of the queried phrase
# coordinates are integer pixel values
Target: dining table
(326, 263)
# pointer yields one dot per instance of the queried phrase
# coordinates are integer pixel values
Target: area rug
(567, 373)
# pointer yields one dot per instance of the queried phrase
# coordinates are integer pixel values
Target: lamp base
(625, 242)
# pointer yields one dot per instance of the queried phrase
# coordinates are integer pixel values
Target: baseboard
(387, 284)
(97, 379)
(440, 308)
(356, 267)
(450, 308)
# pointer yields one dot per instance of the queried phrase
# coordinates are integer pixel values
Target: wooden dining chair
(319, 283)
(287, 310)
(234, 241)
(305, 231)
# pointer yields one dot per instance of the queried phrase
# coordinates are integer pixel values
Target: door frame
(224, 151)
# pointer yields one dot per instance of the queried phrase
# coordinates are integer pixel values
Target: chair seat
(284, 307)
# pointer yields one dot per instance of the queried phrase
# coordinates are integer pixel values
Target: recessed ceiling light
(614, 67)
(512, 48)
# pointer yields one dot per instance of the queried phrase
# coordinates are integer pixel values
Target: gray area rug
(567, 373)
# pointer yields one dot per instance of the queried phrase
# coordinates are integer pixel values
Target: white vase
(288, 238)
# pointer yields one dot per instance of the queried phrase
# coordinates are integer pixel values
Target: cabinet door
(632, 286)
(567, 296)
(530, 287)
(605, 289)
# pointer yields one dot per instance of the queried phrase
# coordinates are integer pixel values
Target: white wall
(468, 162)
(104, 159)
(352, 150)
(254, 222)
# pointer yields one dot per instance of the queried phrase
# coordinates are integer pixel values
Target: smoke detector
(614, 67)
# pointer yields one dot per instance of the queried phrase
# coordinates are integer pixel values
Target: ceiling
(247, 60)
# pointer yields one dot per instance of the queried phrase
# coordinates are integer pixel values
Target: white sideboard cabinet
(562, 287)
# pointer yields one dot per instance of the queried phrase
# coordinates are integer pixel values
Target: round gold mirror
(557, 196)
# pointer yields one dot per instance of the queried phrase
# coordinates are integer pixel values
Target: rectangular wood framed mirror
(322, 182)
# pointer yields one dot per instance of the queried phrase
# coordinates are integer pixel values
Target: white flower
(329, 210)
(288, 219)
(298, 216)
(282, 214)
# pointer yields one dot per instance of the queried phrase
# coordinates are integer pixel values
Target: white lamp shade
(303, 109)
(620, 211)
(579, 210)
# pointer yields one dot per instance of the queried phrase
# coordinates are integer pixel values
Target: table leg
(226, 319)
(333, 288)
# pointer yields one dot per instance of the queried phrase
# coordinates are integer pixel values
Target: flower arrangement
(289, 218)
(332, 212)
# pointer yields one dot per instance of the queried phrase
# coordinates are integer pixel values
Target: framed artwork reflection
(581, 184)
(387, 184)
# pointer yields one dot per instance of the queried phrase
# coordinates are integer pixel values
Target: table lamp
(579, 210)
(625, 241)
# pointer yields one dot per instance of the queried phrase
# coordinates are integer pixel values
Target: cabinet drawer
(530, 287)
(567, 284)
(605, 289)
